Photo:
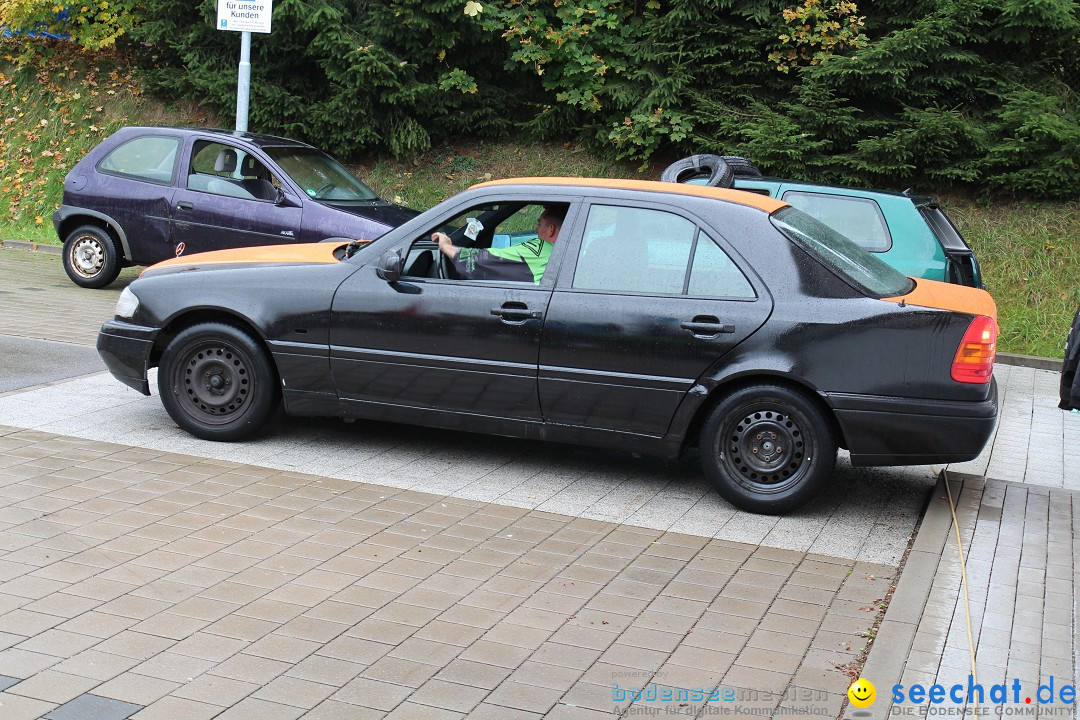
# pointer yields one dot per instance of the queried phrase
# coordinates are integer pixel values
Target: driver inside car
(524, 262)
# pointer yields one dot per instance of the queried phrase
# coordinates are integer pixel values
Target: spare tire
(741, 166)
(710, 170)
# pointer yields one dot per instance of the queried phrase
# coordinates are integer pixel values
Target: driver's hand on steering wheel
(446, 246)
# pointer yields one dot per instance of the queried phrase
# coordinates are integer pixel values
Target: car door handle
(707, 325)
(185, 205)
(516, 311)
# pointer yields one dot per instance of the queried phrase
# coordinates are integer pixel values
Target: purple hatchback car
(146, 194)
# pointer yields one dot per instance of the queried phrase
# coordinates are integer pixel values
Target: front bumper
(903, 431)
(125, 349)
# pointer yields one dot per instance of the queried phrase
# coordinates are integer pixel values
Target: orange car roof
(761, 202)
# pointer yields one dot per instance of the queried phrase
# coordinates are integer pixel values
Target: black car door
(434, 350)
(226, 200)
(653, 301)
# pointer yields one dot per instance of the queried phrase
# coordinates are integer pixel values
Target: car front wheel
(217, 382)
(91, 258)
(767, 448)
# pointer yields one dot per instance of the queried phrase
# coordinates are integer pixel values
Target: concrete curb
(895, 636)
(32, 246)
(1031, 361)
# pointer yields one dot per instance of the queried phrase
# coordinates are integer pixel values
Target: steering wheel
(326, 186)
(442, 266)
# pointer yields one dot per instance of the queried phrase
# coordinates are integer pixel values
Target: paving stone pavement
(197, 588)
(1022, 559)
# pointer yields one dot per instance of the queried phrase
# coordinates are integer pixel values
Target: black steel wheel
(217, 382)
(767, 448)
(91, 258)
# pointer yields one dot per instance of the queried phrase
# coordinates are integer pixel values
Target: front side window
(858, 218)
(495, 242)
(320, 176)
(841, 254)
(640, 250)
(147, 158)
(227, 170)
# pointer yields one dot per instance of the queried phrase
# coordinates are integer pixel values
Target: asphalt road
(25, 362)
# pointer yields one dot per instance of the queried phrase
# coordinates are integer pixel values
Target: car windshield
(319, 175)
(840, 254)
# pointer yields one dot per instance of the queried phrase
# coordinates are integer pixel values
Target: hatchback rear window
(840, 254)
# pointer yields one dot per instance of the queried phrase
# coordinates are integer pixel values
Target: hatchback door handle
(708, 325)
(516, 311)
(185, 205)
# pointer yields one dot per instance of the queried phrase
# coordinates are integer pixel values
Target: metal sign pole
(243, 82)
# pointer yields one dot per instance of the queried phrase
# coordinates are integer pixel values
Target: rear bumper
(901, 431)
(125, 349)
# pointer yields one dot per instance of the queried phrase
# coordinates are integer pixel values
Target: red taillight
(974, 361)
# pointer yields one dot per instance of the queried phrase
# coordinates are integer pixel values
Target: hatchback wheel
(217, 382)
(767, 448)
(91, 259)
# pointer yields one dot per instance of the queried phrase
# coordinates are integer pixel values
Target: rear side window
(713, 274)
(146, 158)
(841, 255)
(858, 218)
(634, 250)
(638, 250)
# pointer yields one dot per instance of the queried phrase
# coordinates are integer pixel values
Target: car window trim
(176, 160)
(570, 267)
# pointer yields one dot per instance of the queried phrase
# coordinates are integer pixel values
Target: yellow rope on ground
(963, 575)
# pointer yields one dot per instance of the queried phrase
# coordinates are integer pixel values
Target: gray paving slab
(1017, 619)
(118, 592)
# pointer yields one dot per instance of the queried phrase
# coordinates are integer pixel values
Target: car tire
(767, 448)
(711, 168)
(91, 258)
(740, 166)
(217, 382)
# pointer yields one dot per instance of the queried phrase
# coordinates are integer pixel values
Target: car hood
(388, 214)
(300, 254)
(947, 296)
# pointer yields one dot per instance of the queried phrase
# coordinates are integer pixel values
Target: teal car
(909, 232)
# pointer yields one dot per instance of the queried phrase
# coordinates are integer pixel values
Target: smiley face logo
(862, 693)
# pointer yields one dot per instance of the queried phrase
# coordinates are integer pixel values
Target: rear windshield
(841, 255)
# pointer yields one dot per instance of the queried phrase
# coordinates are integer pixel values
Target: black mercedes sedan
(661, 317)
(146, 194)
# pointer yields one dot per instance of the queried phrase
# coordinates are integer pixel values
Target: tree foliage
(937, 92)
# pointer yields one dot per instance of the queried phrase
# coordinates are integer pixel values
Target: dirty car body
(669, 316)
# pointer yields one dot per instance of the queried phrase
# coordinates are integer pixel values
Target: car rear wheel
(91, 258)
(767, 448)
(217, 382)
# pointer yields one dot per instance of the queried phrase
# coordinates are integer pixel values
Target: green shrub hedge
(940, 93)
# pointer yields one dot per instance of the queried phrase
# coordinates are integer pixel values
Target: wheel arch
(730, 385)
(91, 217)
(196, 316)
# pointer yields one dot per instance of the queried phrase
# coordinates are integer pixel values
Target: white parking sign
(244, 15)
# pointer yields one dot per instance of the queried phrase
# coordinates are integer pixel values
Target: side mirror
(279, 196)
(390, 266)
